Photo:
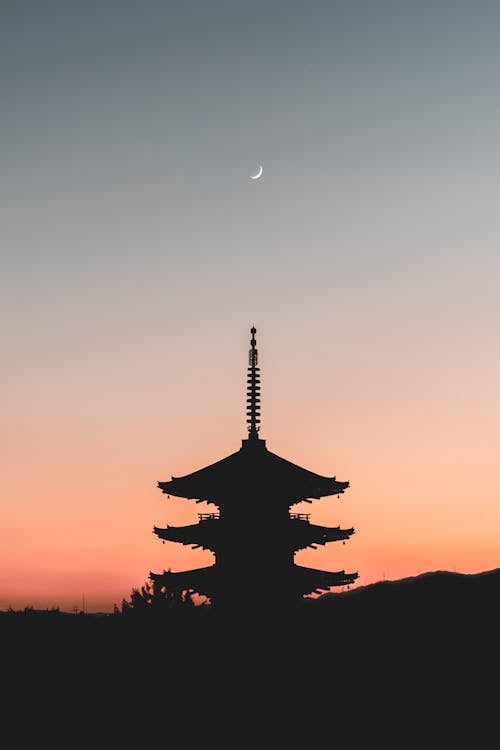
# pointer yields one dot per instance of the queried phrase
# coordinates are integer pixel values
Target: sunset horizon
(100, 598)
(174, 174)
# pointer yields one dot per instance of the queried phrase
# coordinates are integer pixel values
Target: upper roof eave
(257, 466)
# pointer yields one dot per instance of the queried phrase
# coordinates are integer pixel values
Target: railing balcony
(300, 516)
(208, 516)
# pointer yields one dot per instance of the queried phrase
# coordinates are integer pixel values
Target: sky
(136, 254)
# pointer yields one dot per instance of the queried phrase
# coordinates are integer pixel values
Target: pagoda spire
(253, 389)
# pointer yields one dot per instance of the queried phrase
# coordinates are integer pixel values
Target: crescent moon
(259, 173)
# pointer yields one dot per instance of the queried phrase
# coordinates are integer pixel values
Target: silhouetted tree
(151, 597)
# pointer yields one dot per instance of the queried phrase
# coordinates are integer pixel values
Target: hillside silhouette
(423, 651)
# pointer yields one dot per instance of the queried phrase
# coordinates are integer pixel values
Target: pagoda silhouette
(252, 532)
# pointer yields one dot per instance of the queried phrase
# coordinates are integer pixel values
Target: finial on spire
(253, 389)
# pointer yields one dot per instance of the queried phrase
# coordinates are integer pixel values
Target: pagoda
(252, 531)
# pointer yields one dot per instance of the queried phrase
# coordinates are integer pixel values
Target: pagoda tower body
(253, 532)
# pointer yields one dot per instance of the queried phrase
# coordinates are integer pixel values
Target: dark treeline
(422, 653)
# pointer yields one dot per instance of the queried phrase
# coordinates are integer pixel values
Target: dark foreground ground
(411, 663)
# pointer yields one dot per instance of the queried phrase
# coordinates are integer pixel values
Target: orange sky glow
(422, 493)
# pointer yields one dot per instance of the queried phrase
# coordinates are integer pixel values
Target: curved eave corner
(200, 580)
(311, 580)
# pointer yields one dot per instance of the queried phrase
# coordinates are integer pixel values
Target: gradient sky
(136, 254)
